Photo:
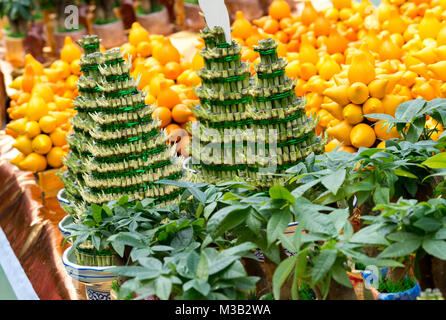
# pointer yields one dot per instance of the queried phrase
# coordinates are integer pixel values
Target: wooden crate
(49, 183)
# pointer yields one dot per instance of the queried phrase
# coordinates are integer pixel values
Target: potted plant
(251, 9)
(410, 231)
(47, 8)
(154, 17)
(65, 25)
(107, 25)
(193, 20)
(18, 14)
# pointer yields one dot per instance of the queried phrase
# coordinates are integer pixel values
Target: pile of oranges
(354, 59)
(168, 80)
(40, 109)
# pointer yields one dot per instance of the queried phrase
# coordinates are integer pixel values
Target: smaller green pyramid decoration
(278, 116)
(256, 127)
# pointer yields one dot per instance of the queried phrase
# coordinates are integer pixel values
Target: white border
(14, 272)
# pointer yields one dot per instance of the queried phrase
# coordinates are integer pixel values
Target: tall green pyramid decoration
(273, 132)
(224, 101)
(117, 149)
(276, 107)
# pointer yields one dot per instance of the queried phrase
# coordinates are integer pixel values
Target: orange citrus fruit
(163, 114)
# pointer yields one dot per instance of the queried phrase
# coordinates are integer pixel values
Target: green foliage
(18, 13)
(16, 9)
(322, 251)
(407, 227)
(190, 273)
(371, 175)
(391, 286)
(410, 118)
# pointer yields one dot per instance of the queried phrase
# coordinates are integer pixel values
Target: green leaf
(400, 249)
(301, 264)
(287, 243)
(198, 284)
(124, 200)
(203, 268)
(222, 262)
(253, 222)
(118, 247)
(209, 209)
(107, 210)
(407, 110)
(227, 218)
(428, 224)
(272, 253)
(340, 275)
(322, 264)
(235, 271)
(246, 283)
(317, 223)
(281, 274)
(403, 173)
(299, 191)
(183, 238)
(334, 181)
(97, 212)
(136, 272)
(163, 287)
(438, 161)
(277, 225)
(441, 234)
(280, 192)
(339, 218)
(381, 195)
(239, 250)
(369, 235)
(402, 236)
(437, 248)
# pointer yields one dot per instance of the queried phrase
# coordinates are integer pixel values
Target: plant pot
(359, 277)
(97, 280)
(251, 9)
(193, 21)
(48, 18)
(410, 294)
(63, 224)
(156, 22)
(439, 274)
(111, 34)
(59, 38)
(61, 197)
(340, 292)
(15, 50)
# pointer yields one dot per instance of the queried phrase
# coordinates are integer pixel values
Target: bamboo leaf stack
(261, 124)
(278, 113)
(117, 149)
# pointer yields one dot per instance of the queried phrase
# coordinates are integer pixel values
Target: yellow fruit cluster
(40, 110)
(167, 78)
(353, 59)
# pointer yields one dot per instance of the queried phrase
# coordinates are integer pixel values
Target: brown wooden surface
(30, 224)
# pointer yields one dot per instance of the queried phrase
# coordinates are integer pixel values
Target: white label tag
(216, 14)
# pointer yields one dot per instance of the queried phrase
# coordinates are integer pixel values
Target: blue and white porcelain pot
(61, 198)
(63, 224)
(97, 280)
(410, 294)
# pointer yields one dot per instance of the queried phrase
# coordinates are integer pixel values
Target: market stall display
(258, 211)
